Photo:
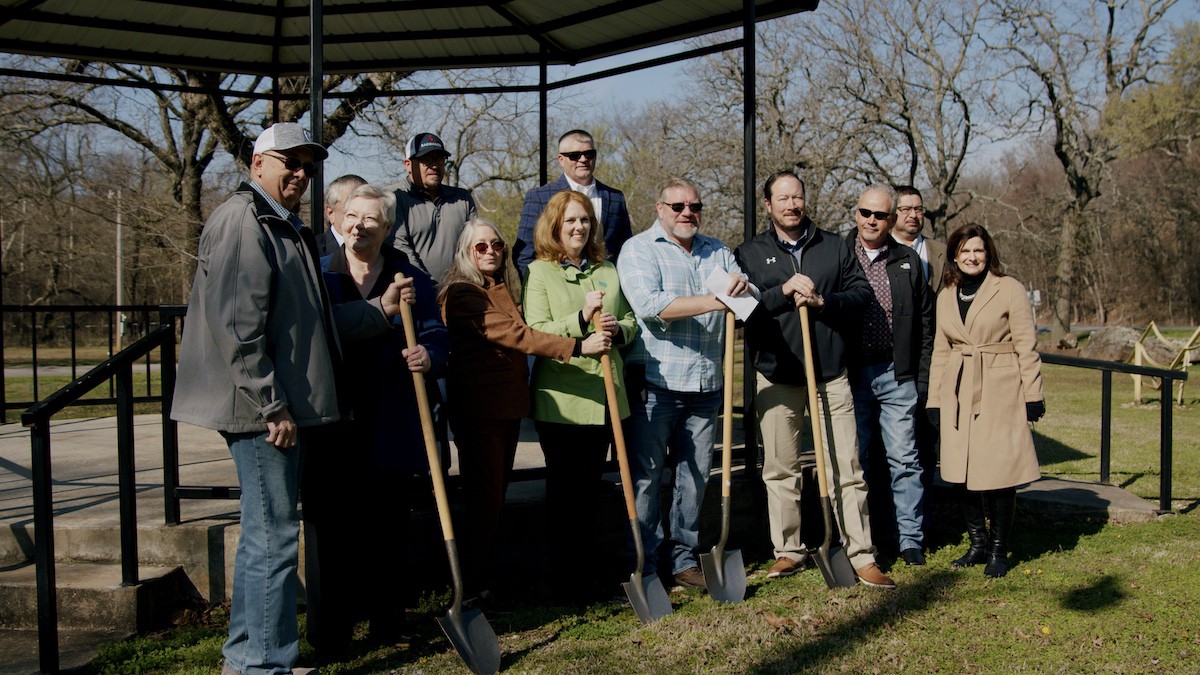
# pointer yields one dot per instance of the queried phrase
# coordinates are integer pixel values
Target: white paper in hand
(742, 306)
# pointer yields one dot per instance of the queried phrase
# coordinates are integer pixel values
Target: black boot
(971, 506)
(1002, 506)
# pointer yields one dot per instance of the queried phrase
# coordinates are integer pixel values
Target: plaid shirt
(682, 355)
(280, 209)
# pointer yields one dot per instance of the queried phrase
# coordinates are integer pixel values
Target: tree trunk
(1064, 273)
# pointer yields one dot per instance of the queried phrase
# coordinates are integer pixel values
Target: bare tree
(183, 132)
(1069, 61)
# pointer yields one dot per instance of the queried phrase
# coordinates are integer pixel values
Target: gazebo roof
(271, 37)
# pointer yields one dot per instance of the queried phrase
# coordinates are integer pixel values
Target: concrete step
(203, 549)
(90, 596)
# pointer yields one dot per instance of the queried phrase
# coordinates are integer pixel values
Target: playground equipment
(1183, 359)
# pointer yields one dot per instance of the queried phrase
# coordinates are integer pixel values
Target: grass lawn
(21, 389)
(1083, 597)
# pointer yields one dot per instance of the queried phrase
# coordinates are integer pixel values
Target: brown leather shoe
(871, 575)
(692, 577)
(785, 567)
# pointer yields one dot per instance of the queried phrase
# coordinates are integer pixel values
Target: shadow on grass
(1037, 534)
(845, 636)
(1104, 592)
(1051, 451)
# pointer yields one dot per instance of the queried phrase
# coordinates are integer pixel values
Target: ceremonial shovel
(834, 565)
(724, 572)
(469, 632)
(646, 594)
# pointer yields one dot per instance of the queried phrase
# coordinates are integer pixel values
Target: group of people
(293, 349)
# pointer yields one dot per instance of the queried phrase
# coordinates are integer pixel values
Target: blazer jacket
(614, 217)
(489, 340)
(573, 393)
(984, 370)
(936, 251)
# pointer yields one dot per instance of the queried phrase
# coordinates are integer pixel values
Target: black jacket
(773, 331)
(912, 314)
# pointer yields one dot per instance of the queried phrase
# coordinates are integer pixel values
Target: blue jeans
(687, 422)
(263, 635)
(881, 403)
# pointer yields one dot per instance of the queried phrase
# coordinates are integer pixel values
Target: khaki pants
(781, 421)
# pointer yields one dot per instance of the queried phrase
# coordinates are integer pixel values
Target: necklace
(967, 298)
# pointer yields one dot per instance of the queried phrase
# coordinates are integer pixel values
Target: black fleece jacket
(774, 332)
(912, 314)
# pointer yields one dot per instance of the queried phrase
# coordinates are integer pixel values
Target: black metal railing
(1166, 415)
(119, 371)
(40, 327)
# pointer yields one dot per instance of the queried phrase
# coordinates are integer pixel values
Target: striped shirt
(685, 354)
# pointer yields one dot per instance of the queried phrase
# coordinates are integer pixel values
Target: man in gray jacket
(429, 215)
(257, 363)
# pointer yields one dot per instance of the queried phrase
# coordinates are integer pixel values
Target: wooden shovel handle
(814, 412)
(614, 418)
(431, 449)
(727, 421)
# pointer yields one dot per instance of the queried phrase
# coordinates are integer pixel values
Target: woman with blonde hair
(487, 379)
(573, 291)
(985, 387)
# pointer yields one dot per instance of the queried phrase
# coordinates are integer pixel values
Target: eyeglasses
(678, 207)
(879, 215)
(910, 209)
(496, 246)
(574, 156)
(292, 164)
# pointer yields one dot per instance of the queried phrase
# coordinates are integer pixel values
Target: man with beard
(796, 264)
(910, 220)
(429, 215)
(679, 348)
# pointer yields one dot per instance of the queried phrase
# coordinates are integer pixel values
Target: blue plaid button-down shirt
(280, 209)
(682, 355)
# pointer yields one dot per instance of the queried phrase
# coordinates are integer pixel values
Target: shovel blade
(473, 639)
(724, 575)
(835, 567)
(648, 597)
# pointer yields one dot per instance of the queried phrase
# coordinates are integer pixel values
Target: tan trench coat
(981, 376)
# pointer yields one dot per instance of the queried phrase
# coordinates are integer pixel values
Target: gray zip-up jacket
(258, 334)
(426, 230)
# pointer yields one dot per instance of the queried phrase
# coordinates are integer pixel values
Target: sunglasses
(678, 207)
(496, 246)
(292, 164)
(574, 156)
(879, 215)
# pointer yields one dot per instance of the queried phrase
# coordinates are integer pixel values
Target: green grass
(21, 389)
(1083, 597)
(58, 356)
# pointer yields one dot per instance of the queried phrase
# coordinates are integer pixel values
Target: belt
(971, 377)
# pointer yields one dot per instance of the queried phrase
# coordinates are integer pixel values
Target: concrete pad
(1059, 497)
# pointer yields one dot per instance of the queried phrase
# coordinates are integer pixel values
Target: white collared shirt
(589, 191)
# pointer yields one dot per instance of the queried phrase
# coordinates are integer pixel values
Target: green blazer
(573, 393)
